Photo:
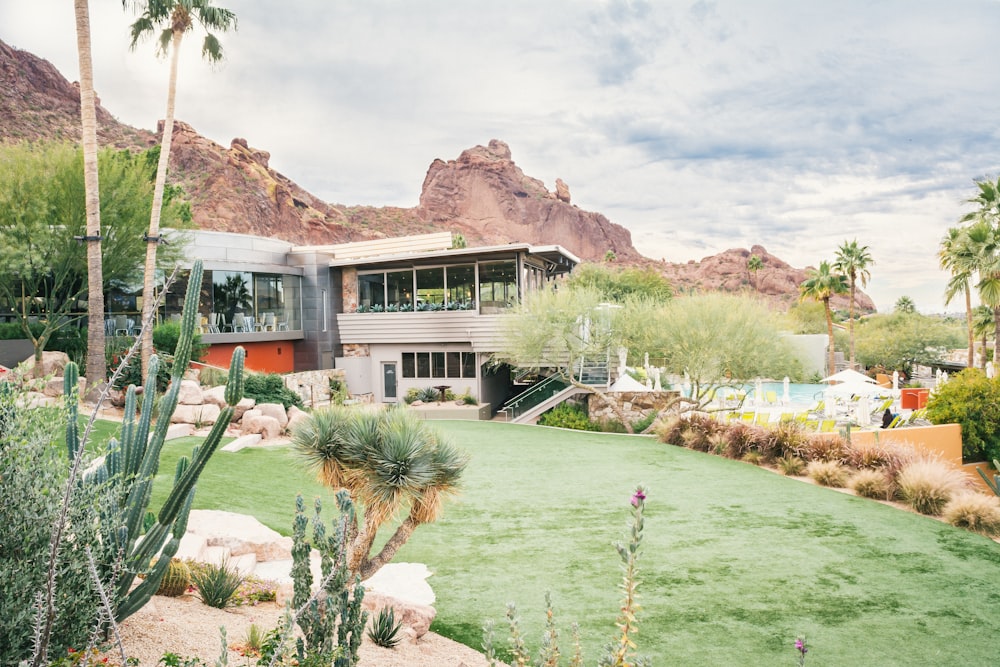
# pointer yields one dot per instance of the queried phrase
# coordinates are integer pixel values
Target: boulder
(54, 387)
(241, 408)
(53, 363)
(295, 417)
(195, 414)
(239, 533)
(416, 617)
(562, 191)
(190, 393)
(215, 395)
(268, 427)
(276, 410)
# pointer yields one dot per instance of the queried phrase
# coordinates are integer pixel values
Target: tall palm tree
(389, 461)
(96, 365)
(821, 285)
(178, 17)
(853, 261)
(957, 258)
(982, 326)
(984, 240)
(754, 264)
(904, 304)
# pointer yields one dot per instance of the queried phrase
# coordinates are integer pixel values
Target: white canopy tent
(848, 376)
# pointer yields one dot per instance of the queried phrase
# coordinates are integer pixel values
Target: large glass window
(439, 364)
(461, 287)
(430, 289)
(497, 285)
(371, 292)
(399, 290)
(231, 293)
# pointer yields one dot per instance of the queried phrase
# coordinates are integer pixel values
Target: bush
(217, 584)
(384, 630)
(972, 400)
(165, 337)
(928, 485)
(789, 438)
(209, 376)
(270, 388)
(827, 473)
(791, 465)
(255, 590)
(975, 511)
(753, 458)
(568, 415)
(871, 484)
(832, 448)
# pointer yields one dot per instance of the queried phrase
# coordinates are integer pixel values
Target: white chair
(268, 324)
(283, 325)
(240, 323)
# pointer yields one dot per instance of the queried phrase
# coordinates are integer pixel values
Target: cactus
(176, 579)
(132, 463)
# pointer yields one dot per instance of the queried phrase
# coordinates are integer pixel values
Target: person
(887, 418)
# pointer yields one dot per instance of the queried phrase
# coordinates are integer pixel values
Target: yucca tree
(957, 258)
(96, 364)
(853, 260)
(176, 17)
(821, 285)
(389, 461)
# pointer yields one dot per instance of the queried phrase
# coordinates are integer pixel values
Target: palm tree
(957, 258)
(853, 261)
(754, 264)
(96, 364)
(904, 304)
(982, 326)
(984, 241)
(821, 285)
(388, 461)
(179, 17)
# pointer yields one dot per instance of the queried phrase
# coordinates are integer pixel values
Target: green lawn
(736, 563)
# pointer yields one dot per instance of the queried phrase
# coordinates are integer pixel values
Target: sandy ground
(189, 628)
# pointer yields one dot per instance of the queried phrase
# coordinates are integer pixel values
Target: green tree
(983, 326)
(42, 209)
(900, 340)
(984, 241)
(388, 461)
(853, 261)
(96, 368)
(821, 285)
(754, 264)
(972, 400)
(957, 258)
(805, 317)
(616, 285)
(904, 304)
(177, 17)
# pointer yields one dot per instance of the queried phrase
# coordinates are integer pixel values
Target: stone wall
(314, 386)
(635, 404)
(349, 283)
(357, 350)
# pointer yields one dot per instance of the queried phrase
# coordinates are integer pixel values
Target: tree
(982, 326)
(388, 461)
(96, 369)
(904, 304)
(179, 17)
(853, 261)
(972, 400)
(984, 241)
(754, 264)
(42, 208)
(821, 285)
(616, 285)
(900, 340)
(957, 258)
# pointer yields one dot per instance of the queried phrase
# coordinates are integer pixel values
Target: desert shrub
(871, 483)
(640, 425)
(971, 399)
(827, 473)
(669, 431)
(753, 458)
(867, 456)
(255, 590)
(384, 630)
(338, 391)
(740, 439)
(824, 448)
(699, 431)
(973, 510)
(269, 388)
(568, 415)
(411, 395)
(469, 399)
(927, 485)
(427, 394)
(209, 376)
(791, 465)
(610, 426)
(165, 337)
(217, 584)
(789, 437)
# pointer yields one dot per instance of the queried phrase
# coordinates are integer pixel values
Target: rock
(562, 191)
(417, 617)
(215, 395)
(195, 414)
(405, 581)
(276, 410)
(243, 442)
(267, 427)
(241, 408)
(53, 363)
(239, 533)
(54, 387)
(190, 393)
(295, 417)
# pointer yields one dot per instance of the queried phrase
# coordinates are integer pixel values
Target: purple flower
(800, 646)
(638, 497)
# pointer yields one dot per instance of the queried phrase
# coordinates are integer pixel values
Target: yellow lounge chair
(762, 419)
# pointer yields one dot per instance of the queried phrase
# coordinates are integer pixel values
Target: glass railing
(537, 394)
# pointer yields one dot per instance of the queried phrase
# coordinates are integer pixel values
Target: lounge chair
(827, 426)
(762, 418)
(771, 397)
(786, 417)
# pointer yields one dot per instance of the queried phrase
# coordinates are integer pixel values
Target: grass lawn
(737, 561)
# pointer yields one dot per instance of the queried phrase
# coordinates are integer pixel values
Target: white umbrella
(990, 370)
(895, 380)
(848, 389)
(758, 393)
(785, 395)
(863, 412)
(848, 375)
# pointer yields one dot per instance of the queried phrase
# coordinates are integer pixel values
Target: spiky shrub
(740, 438)
(870, 484)
(176, 579)
(927, 485)
(669, 431)
(384, 630)
(753, 458)
(791, 465)
(825, 447)
(428, 395)
(217, 584)
(992, 481)
(827, 473)
(974, 511)
(788, 438)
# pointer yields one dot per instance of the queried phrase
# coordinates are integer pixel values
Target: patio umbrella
(758, 392)
(848, 389)
(785, 395)
(895, 379)
(848, 375)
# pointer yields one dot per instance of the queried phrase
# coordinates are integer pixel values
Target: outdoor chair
(827, 425)
(269, 323)
(240, 323)
(283, 325)
(771, 397)
(762, 419)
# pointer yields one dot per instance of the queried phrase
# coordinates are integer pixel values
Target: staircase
(529, 405)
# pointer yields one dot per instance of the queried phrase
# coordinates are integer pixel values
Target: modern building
(394, 314)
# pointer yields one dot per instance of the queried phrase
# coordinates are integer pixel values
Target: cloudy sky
(699, 126)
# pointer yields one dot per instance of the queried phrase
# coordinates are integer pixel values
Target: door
(389, 382)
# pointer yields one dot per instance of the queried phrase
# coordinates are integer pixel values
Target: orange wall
(266, 356)
(944, 439)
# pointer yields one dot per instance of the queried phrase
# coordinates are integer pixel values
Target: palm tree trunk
(96, 365)
(968, 322)
(149, 276)
(851, 321)
(829, 332)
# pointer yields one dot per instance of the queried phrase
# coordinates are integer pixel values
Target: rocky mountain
(482, 194)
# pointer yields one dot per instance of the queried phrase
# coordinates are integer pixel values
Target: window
(439, 364)
(399, 290)
(497, 285)
(430, 289)
(461, 287)
(371, 292)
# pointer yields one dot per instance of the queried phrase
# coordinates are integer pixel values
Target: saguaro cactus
(132, 463)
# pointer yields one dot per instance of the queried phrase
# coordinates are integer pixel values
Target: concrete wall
(320, 299)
